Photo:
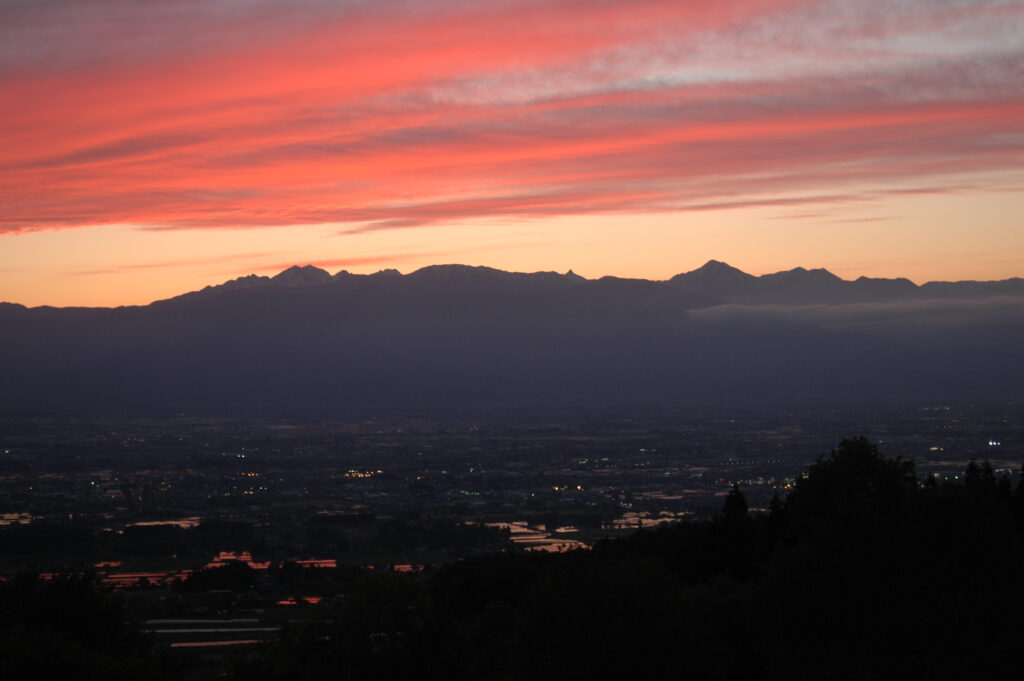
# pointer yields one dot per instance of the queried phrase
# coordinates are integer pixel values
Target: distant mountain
(296, 276)
(713, 282)
(306, 342)
(800, 286)
(717, 279)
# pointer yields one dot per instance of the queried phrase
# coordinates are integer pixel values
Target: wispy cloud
(357, 261)
(164, 264)
(955, 324)
(397, 258)
(404, 113)
(880, 218)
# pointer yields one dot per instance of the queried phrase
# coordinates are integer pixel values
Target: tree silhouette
(854, 494)
(861, 572)
(735, 507)
(68, 626)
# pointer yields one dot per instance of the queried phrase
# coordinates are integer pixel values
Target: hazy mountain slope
(463, 336)
(800, 286)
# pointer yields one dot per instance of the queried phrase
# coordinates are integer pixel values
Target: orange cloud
(400, 113)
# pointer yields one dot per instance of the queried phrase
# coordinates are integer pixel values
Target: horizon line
(568, 273)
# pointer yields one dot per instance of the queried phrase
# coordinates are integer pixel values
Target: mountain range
(305, 341)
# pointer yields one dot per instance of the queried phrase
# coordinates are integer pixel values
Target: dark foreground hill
(454, 336)
(863, 571)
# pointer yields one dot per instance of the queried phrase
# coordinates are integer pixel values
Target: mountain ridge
(305, 341)
(715, 279)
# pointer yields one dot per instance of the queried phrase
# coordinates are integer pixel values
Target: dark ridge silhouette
(451, 335)
(863, 571)
(800, 286)
(716, 281)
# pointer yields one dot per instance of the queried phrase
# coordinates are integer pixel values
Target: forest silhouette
(863, 571)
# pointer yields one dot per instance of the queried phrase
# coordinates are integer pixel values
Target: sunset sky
(151, 148)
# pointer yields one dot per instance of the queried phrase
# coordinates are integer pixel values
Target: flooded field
(634, 520)
(208, 632)
(15, 519)
(183, 523)
(533, 538)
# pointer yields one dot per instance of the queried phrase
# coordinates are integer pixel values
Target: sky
(152, 148)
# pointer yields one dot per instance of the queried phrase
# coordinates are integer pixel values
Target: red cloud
(389, 119)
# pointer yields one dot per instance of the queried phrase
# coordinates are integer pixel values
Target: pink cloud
(167, 264)
(240, 116)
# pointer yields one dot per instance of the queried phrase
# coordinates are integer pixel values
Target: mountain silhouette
(304, 341)
(800, 286)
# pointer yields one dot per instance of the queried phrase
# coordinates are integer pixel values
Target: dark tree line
(70, 627)
(863, 571)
